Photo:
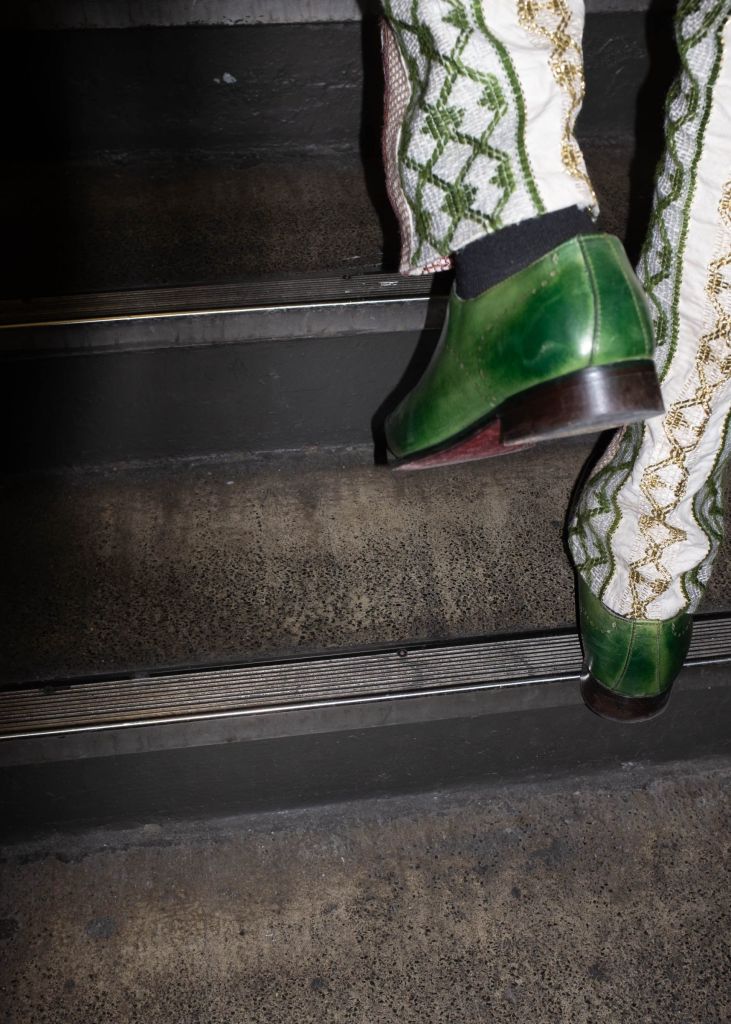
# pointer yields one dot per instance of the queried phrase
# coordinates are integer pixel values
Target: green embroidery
(660, 263)
(597, 514)
(708, 508)
(711, 25)
(436, 179)
(519, 106)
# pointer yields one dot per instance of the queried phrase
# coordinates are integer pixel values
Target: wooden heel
(584, 402)
(608, 704)
(596, 398)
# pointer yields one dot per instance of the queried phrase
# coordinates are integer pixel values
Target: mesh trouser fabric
(648, 522)
(481, 100)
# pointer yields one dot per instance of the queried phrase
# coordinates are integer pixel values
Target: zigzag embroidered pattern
(551, 20)
(656, 261)
(708, 512)
(684, 106)
(664, 482)
(446, 169)
(597, 514)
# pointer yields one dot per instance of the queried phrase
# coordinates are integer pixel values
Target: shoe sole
(608, 704)
(584, 402)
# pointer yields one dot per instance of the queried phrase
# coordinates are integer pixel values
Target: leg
(547, 332)
(480, 119)
(648, 522)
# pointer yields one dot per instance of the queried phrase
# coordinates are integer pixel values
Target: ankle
(497, 256)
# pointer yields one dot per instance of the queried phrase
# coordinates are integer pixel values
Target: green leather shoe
(629, 664)
(562, 347)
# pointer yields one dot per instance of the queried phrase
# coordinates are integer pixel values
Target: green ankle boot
(629, 664)
(562, 347)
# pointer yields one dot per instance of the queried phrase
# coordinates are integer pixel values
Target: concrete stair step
(146, 169)
(215, 600)
(128, 570)
(266, 363)
(593, 898)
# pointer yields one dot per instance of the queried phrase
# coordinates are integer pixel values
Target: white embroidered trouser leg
(481, 100)
(649, 520)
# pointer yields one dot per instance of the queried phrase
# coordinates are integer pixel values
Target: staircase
(216, 596)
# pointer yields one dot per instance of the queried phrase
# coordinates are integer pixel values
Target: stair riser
(297, 87)
(49, 14)
(432, 742)
(177, 403)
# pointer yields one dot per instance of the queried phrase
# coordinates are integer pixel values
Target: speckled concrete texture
(102, 227)
(594, 901)
(88, 227)
(279, 555)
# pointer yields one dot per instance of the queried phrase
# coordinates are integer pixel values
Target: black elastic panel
(491, 259)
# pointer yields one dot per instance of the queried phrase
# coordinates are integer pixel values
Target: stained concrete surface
(88, 227)
(279, 555)
(103, 226)
(290, 553)
(592, 901)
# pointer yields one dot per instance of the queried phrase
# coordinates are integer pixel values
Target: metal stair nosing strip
(310, 307)
(526, 666)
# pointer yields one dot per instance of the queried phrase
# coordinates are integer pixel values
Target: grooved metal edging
(225, 326)
(261, 293)
(203, 317)
(282, 686)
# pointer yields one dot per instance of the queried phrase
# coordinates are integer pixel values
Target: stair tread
(108, 226)
(295, 553)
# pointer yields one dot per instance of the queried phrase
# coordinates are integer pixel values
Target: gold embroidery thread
(665, 482)
(550, 20)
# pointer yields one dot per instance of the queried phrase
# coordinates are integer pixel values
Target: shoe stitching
(595, 294)
(641, 313)
(620, 678)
